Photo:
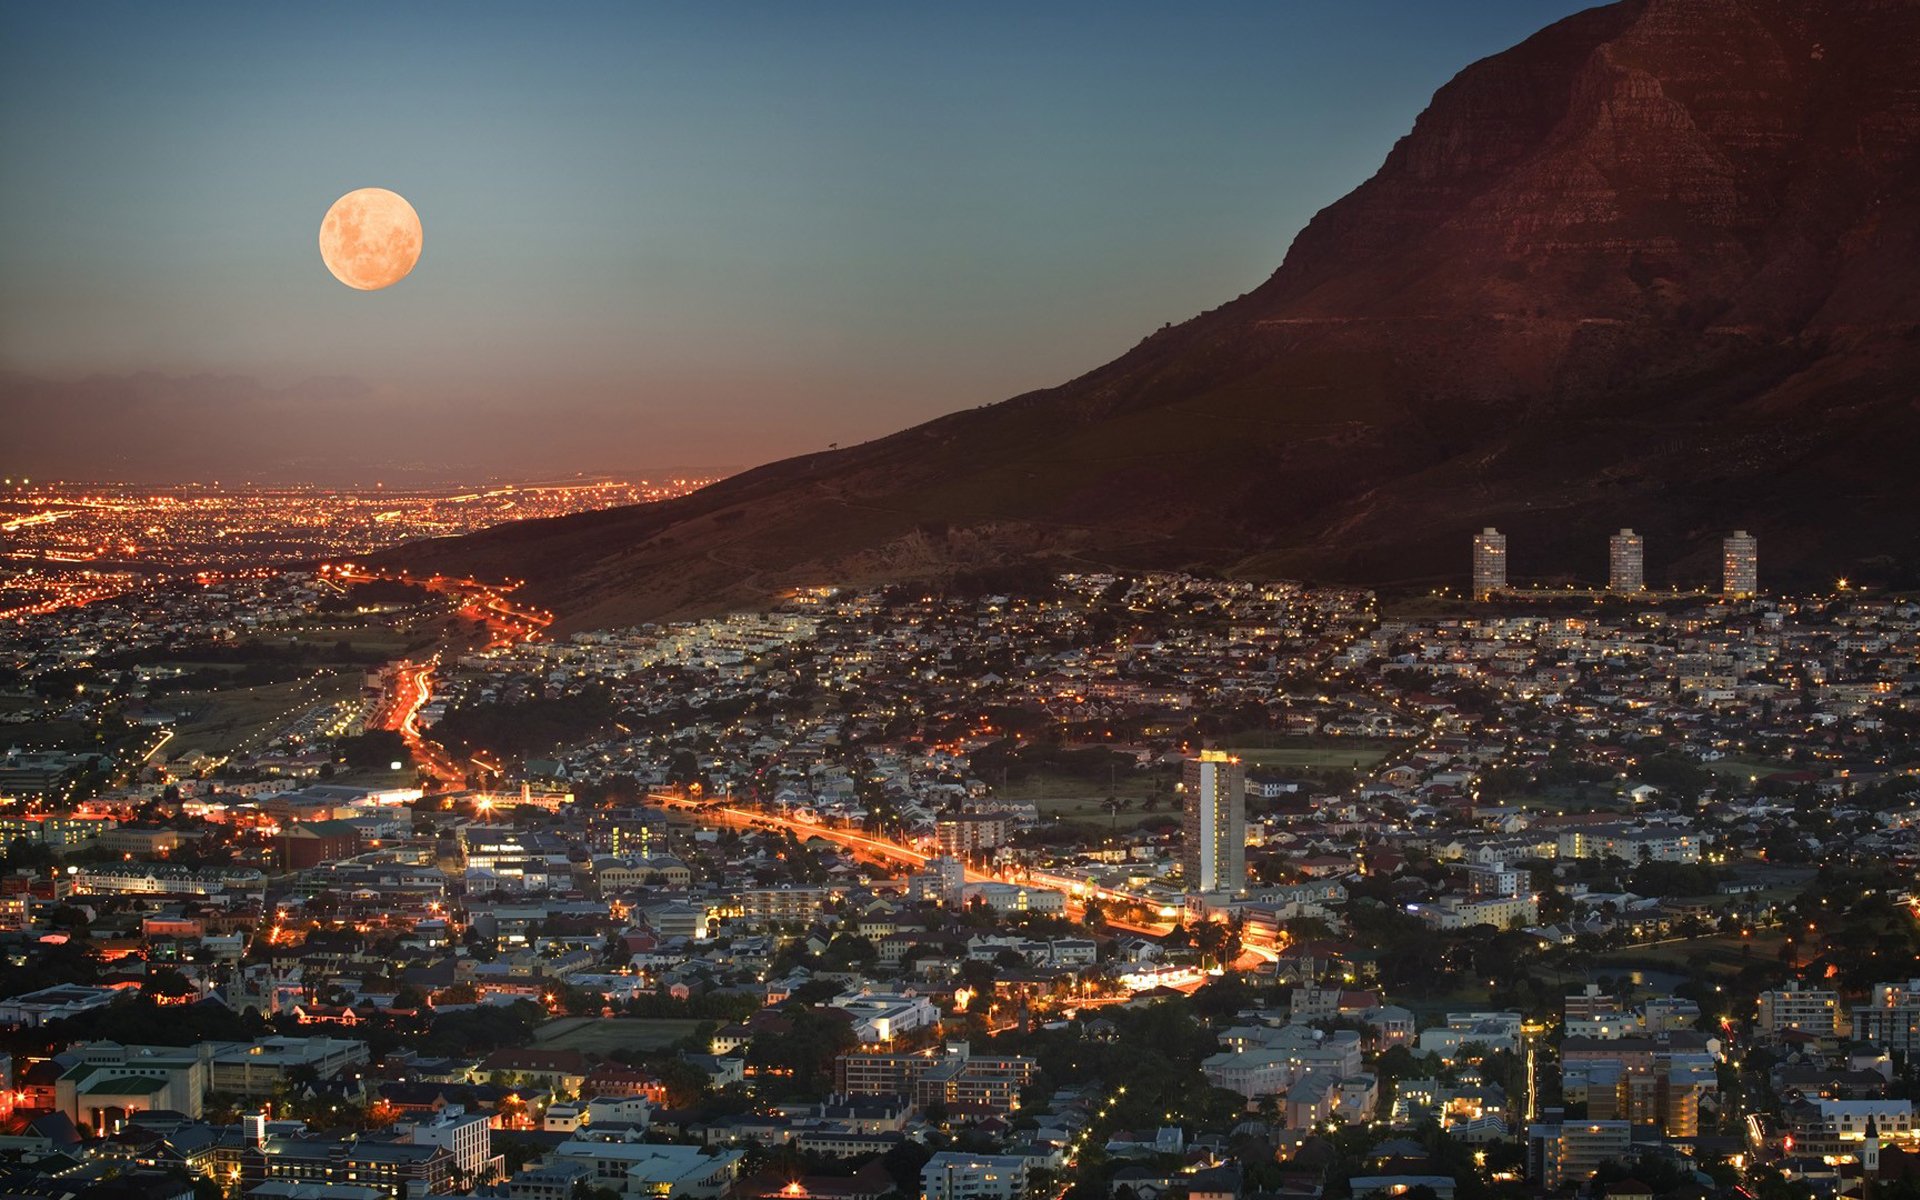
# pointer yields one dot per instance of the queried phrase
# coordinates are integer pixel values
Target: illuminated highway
(410, 684)
(894, 853)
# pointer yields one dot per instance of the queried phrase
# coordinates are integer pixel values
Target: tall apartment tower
(1489, 563)
(1626, 562)
(1214, 858)
(1740, 569)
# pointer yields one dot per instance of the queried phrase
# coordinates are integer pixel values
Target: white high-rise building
(1626, 562)
(467, 1136)
(1489, 563)
(1214, 858)
(1740, 564)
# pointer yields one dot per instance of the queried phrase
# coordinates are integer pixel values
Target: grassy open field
(1438, 1004)
(1719, 956)
(1743, 768)
(1595, 798)
(235, 718)
(1319, 754)
(598, 1035)
(408, 777)
(369, 638)
(1067, 797)
(56, 734)
(1062, 796)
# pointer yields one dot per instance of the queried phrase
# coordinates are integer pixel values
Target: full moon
(370, 239)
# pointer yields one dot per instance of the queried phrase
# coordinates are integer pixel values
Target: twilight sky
(657, 236)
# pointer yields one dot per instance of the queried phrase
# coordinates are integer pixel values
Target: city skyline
(1344, 744)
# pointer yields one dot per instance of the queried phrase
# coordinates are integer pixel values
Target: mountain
(1654, 266)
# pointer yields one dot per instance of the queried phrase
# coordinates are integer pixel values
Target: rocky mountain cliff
(1658, 265)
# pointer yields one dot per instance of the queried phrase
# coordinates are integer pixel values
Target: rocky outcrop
(1655, 266)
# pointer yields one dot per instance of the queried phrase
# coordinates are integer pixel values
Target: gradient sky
(692, 235)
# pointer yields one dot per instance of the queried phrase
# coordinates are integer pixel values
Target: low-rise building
(952, 1175)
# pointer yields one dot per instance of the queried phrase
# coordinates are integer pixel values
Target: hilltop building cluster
(1626, 564)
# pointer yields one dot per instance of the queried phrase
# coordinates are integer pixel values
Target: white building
(1658, 843)
(1803, 1010)
(1489, 563)
(1252, 1073)
(955, 1176)
(1214, 855)
(53, 1004)
(1011, 897)
(881, 1017)
(1849, 1118)
(1740, 564)
(1891, 1017)
(259, 1069)
(669, 1172)
(1462, 912)
(467, 1136)
(1626, 562)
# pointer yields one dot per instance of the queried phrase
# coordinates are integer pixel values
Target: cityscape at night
(63, 545)
(1442, 724)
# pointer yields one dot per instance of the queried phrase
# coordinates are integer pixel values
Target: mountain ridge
(1650, 266)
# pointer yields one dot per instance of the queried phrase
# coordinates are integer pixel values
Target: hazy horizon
(701, 237)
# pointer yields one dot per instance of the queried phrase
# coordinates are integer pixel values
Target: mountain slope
(1653, 266)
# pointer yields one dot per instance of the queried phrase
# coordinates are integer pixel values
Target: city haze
(691, 240)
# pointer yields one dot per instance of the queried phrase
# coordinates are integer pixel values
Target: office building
(654, 1169)
(56, 1003)
(1626, 562)
(262, 1067)
(1740, 569)
(467, 1136)
(112, 1084)
(395, 1170)
(1214, 858)
(1489, 563)
(58, 832)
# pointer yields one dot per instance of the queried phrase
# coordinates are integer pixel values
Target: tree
(167, 983)
(847, 949)
(410, 996)
(517, 1152)
(803, 1055)
(373, 750)
(1096, 915)
(903, 1163)
(685, 1083)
